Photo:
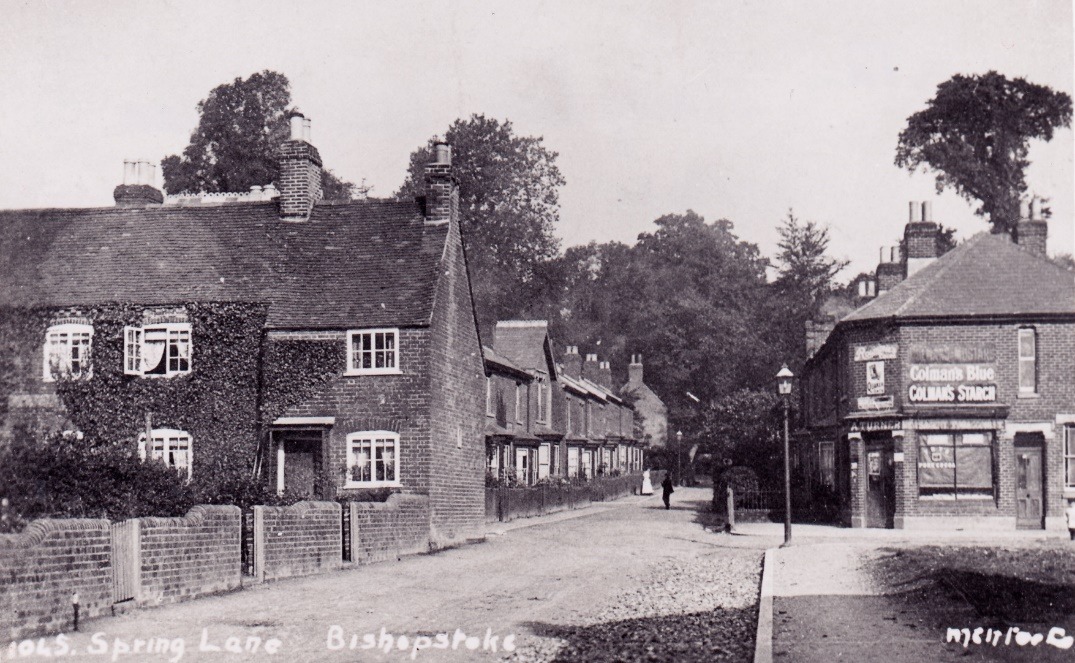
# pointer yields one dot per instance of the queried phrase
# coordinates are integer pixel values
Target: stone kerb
(43, 566)
(297, 540)
(383, 531)
(190, 556)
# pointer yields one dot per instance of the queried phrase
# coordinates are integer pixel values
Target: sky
(736, 110)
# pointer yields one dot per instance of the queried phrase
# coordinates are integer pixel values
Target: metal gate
(126, 560)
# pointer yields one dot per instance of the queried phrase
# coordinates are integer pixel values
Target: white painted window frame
(57, 352)
(373, 437)
(1031, 359)
(134, 352)
(352, 334)
(165, 436)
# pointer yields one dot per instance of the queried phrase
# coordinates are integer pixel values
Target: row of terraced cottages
(330, 348)
(559, 417)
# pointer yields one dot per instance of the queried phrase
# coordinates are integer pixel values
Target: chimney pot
(913, 210)
(442, 153)
(306, 129)
(1032, 210)
(296, 126)
(927, 210)
(591, 357)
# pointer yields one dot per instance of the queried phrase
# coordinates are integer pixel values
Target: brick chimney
(572, 362)
(920, 238)
(1032, 232)
(634, 370)
(590, 367)
(889, 269)
(139, 186)
(300, 172)
(442, 189)
(604, 375)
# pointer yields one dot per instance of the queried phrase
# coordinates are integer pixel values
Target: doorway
(299, 458)
(881, 485)
(1029, 487)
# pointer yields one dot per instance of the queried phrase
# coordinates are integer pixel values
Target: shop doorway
(1029, 487)
(881, 485)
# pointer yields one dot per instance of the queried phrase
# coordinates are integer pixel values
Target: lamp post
(679, 457)
(783, 385)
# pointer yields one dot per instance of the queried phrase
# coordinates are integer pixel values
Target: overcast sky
(736, 109)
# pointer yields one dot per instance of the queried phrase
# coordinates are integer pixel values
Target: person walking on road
(668, 490)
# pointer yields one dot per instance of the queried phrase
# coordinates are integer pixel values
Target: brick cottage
(330, 347)
(949, 399)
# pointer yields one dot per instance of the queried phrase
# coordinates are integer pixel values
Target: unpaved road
(625, 581)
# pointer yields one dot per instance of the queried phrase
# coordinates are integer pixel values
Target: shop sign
(875, 351)
(952, 393)
(952, 383)
(875, 378)
(952, 353)
(952, 373)
(875, 402)
(869, 425)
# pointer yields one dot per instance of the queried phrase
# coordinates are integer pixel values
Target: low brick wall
(190, 556)
(505, 504)
(42, 566)
(297, 540)
(382, 531)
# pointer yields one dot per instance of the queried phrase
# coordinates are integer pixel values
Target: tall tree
(509, 201)
(975, 134)
(240, 126)
(803, 262)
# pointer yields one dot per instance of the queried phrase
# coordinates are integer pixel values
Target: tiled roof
(523, 341)
(502, 362)
(987, 275)
(360, 264)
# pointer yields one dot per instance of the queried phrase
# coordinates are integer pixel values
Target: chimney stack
(300, 172)
(604, 375)
(634, 370)
(572, 362)
(920, 239)
(590, 368)
(1032, 232)
(139, 186)
(889, 269)
(441, 188)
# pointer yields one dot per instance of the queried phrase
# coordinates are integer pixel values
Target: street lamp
(679, 457)
(783, 387)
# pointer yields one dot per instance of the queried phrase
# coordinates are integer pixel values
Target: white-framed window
(541, 400)
(1028, 361)
(173, 447)
(160, 350)
(372, 459)
(826, 451)
(518, 403)
(373, 352)
(567, 408)
(67, 351)
(544, 460)
(489, 396)
(1069, 456)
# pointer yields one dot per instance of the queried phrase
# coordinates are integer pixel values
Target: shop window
(67, 352)
(1069, 456)
(1028, 361)
(372, 459)
(827, 463)
(173, 447)
(955, 465)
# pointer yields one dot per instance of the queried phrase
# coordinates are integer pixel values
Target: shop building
(948, 401)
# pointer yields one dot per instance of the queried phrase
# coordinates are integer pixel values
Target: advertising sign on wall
(875, 378)
(875, 351)
(952, 373)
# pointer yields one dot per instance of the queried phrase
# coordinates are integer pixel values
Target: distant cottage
(331, 347)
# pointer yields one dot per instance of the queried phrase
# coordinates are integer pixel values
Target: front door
(1029, 497)
(301, 459)
(881, 487)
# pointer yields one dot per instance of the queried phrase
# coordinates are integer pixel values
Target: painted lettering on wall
(949, 393)
(875, 351)
(952, 373)
(952, 353)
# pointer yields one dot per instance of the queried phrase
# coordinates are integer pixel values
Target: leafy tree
(509, 202)
(975, 134)
(804, 266)
(241, 124)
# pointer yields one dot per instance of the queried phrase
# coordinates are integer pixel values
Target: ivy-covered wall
(217, 402)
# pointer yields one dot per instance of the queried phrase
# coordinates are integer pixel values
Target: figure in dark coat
(668, 490)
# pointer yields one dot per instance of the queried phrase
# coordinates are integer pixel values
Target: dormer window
(160, 350)
(67, 352)
(373, 352)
